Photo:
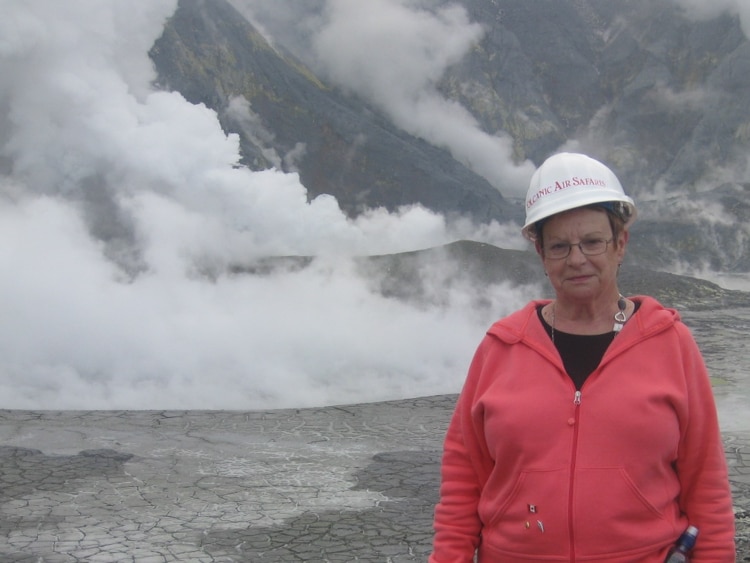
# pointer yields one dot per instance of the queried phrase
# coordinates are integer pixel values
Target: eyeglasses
(589, 247)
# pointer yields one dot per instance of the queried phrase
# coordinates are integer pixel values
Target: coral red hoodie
(535, 471)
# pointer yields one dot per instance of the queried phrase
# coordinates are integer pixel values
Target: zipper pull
(577, 398)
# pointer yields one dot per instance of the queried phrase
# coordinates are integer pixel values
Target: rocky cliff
(660, 97)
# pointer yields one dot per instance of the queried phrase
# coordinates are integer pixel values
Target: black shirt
(580, 353)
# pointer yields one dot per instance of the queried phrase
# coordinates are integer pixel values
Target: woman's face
(580, 277)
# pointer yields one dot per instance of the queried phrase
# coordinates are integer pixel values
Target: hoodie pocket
(531, 519)
(612, 514)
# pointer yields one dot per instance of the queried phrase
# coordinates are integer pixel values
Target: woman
(586, 429)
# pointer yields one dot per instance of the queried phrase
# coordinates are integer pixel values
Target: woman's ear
(625, 236)
(622, 243)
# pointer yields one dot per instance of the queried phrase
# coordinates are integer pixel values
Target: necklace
(620, 317)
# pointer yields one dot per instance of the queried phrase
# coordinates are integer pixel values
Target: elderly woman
(586, 429)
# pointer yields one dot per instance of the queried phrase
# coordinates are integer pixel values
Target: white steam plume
(121, 209)
(407, 49)
(393, 53)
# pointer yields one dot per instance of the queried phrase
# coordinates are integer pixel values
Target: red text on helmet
(563, 184)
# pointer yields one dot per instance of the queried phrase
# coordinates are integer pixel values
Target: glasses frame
(579, 244)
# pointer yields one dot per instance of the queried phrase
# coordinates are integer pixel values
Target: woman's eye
(592, 243)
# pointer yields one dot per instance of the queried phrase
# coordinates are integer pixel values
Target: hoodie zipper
(576, 416)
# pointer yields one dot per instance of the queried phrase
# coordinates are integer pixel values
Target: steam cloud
(424, 44)
(123, 208)
(407, 48)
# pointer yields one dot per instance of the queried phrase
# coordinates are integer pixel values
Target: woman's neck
(590, 317)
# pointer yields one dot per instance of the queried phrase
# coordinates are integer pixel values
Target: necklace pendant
(620, 317)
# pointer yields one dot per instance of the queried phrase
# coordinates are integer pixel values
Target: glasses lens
(558, 250)
(593, 246)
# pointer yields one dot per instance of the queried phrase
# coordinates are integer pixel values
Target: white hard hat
(569, 180)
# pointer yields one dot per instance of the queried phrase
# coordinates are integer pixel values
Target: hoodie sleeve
(463, 474)
(705, 496)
